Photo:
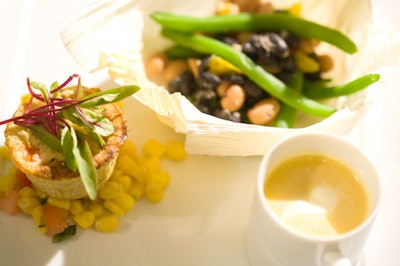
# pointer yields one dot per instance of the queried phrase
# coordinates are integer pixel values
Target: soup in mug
(317, 195)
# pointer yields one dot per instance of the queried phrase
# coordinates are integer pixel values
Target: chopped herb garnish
(65, 125)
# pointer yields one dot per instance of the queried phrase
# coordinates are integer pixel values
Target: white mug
(269, 241)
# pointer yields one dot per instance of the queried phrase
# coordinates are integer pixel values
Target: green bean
(256, 73)
(318, 92)
(256, 22)
(287, 114)
(178, 52)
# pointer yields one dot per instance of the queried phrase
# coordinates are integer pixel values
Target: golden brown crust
(46, 168)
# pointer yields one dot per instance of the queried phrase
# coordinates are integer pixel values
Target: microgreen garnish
(65, 125)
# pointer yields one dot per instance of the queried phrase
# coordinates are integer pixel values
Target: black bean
(203, 66)
(291, 40)
(184, 83)
(226, 39)
(208, 80)
(252, 89)
(205, 100)
(275, 44)
(202, 96)
(227, 115)
(249, 49)
(234, 78)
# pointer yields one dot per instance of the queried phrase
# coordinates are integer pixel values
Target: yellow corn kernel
(84, 219)
(141, 174)
(175, 150)
(97, 209)
(27, 204)
(149, 167)
(136, 190)
(76, 207)
(154, 195)
(61, 203)
(116, 173)
(114, 208)
(305, 63)
(110, 190)
(28, 192)
(153, 164)
(139, 160)
(126, 164)
(128, 149)
(106, 224)
(153, 148)
(4, 154)
(7, 183)
(125, 182)
(37, 215)
(158, 180)
(125, 202)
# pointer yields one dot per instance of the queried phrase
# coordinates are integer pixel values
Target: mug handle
(335, 259)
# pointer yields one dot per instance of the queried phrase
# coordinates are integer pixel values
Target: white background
(203, 216)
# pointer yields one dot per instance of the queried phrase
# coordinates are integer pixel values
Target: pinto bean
(156, 63)
(222, 88)
(174, 69)
(264, 111)
(325, 63)
(234, 98)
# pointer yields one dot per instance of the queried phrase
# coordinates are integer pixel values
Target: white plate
(202, 219)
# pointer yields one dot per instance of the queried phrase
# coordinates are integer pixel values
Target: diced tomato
(54, 220)
(22, 179)
(9, 204)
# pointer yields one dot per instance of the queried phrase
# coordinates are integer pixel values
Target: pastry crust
(46, 168)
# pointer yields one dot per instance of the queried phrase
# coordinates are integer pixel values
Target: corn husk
(120, 36)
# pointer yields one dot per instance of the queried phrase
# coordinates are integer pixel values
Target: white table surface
(203, 216)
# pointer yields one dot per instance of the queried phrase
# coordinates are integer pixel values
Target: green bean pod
(287, 114)
(178, 52)
(256, 73)
(318, 92)
(255, 22)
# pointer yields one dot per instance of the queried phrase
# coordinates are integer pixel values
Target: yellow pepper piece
(27, 204)
(28, 192)
(218, 66)
(306, 63)
(295, 10)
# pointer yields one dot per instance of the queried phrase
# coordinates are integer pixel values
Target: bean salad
(252, 63)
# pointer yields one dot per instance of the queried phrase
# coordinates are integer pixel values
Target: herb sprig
(66, 125)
